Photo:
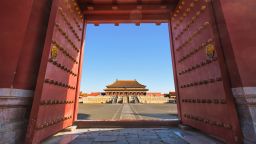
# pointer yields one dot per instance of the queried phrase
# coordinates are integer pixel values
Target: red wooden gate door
(205, 99)
(56, 92)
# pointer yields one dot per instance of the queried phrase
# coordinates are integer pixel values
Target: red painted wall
(14, 17)
(240, 18)
(32, 47)
(22, 37)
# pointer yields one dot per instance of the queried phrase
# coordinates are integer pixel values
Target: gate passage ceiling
(127, 11)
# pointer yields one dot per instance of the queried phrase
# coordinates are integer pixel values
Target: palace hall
(125, 88)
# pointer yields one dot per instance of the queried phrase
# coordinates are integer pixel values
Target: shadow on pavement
(82, 116)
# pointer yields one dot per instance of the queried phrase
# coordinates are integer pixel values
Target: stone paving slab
(127, 111)
(111, 138)
(131, 136)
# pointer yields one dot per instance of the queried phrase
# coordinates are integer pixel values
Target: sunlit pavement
(166, 135)
(131, 136)
(127, 111)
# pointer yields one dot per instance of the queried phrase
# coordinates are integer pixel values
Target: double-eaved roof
(126, 85)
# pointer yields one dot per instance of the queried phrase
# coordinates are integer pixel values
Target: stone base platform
(15, 106)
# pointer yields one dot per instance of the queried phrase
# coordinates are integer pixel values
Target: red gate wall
(204, 95)
(56, 92)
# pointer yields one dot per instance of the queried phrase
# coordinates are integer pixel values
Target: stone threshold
(126, 123)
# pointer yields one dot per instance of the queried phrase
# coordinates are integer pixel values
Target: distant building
(94, 94)
(154, 94)
(82, 94)
(173, 95)
(125, 88)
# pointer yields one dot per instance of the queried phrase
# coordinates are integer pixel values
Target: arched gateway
(213, 49)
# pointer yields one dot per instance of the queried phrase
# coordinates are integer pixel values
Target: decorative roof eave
(143, 86)
(126, 84)
(126, 89)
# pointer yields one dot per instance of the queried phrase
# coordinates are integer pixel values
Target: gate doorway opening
(201, 79)
(127, 74)
(212, 60)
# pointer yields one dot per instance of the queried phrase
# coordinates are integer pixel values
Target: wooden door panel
(204, 94)
(54, 104)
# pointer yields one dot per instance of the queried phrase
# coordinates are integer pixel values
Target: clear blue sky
(127, 52)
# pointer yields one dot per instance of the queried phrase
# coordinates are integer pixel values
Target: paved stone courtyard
(172, 135)
(127, 111)
(131, 136)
